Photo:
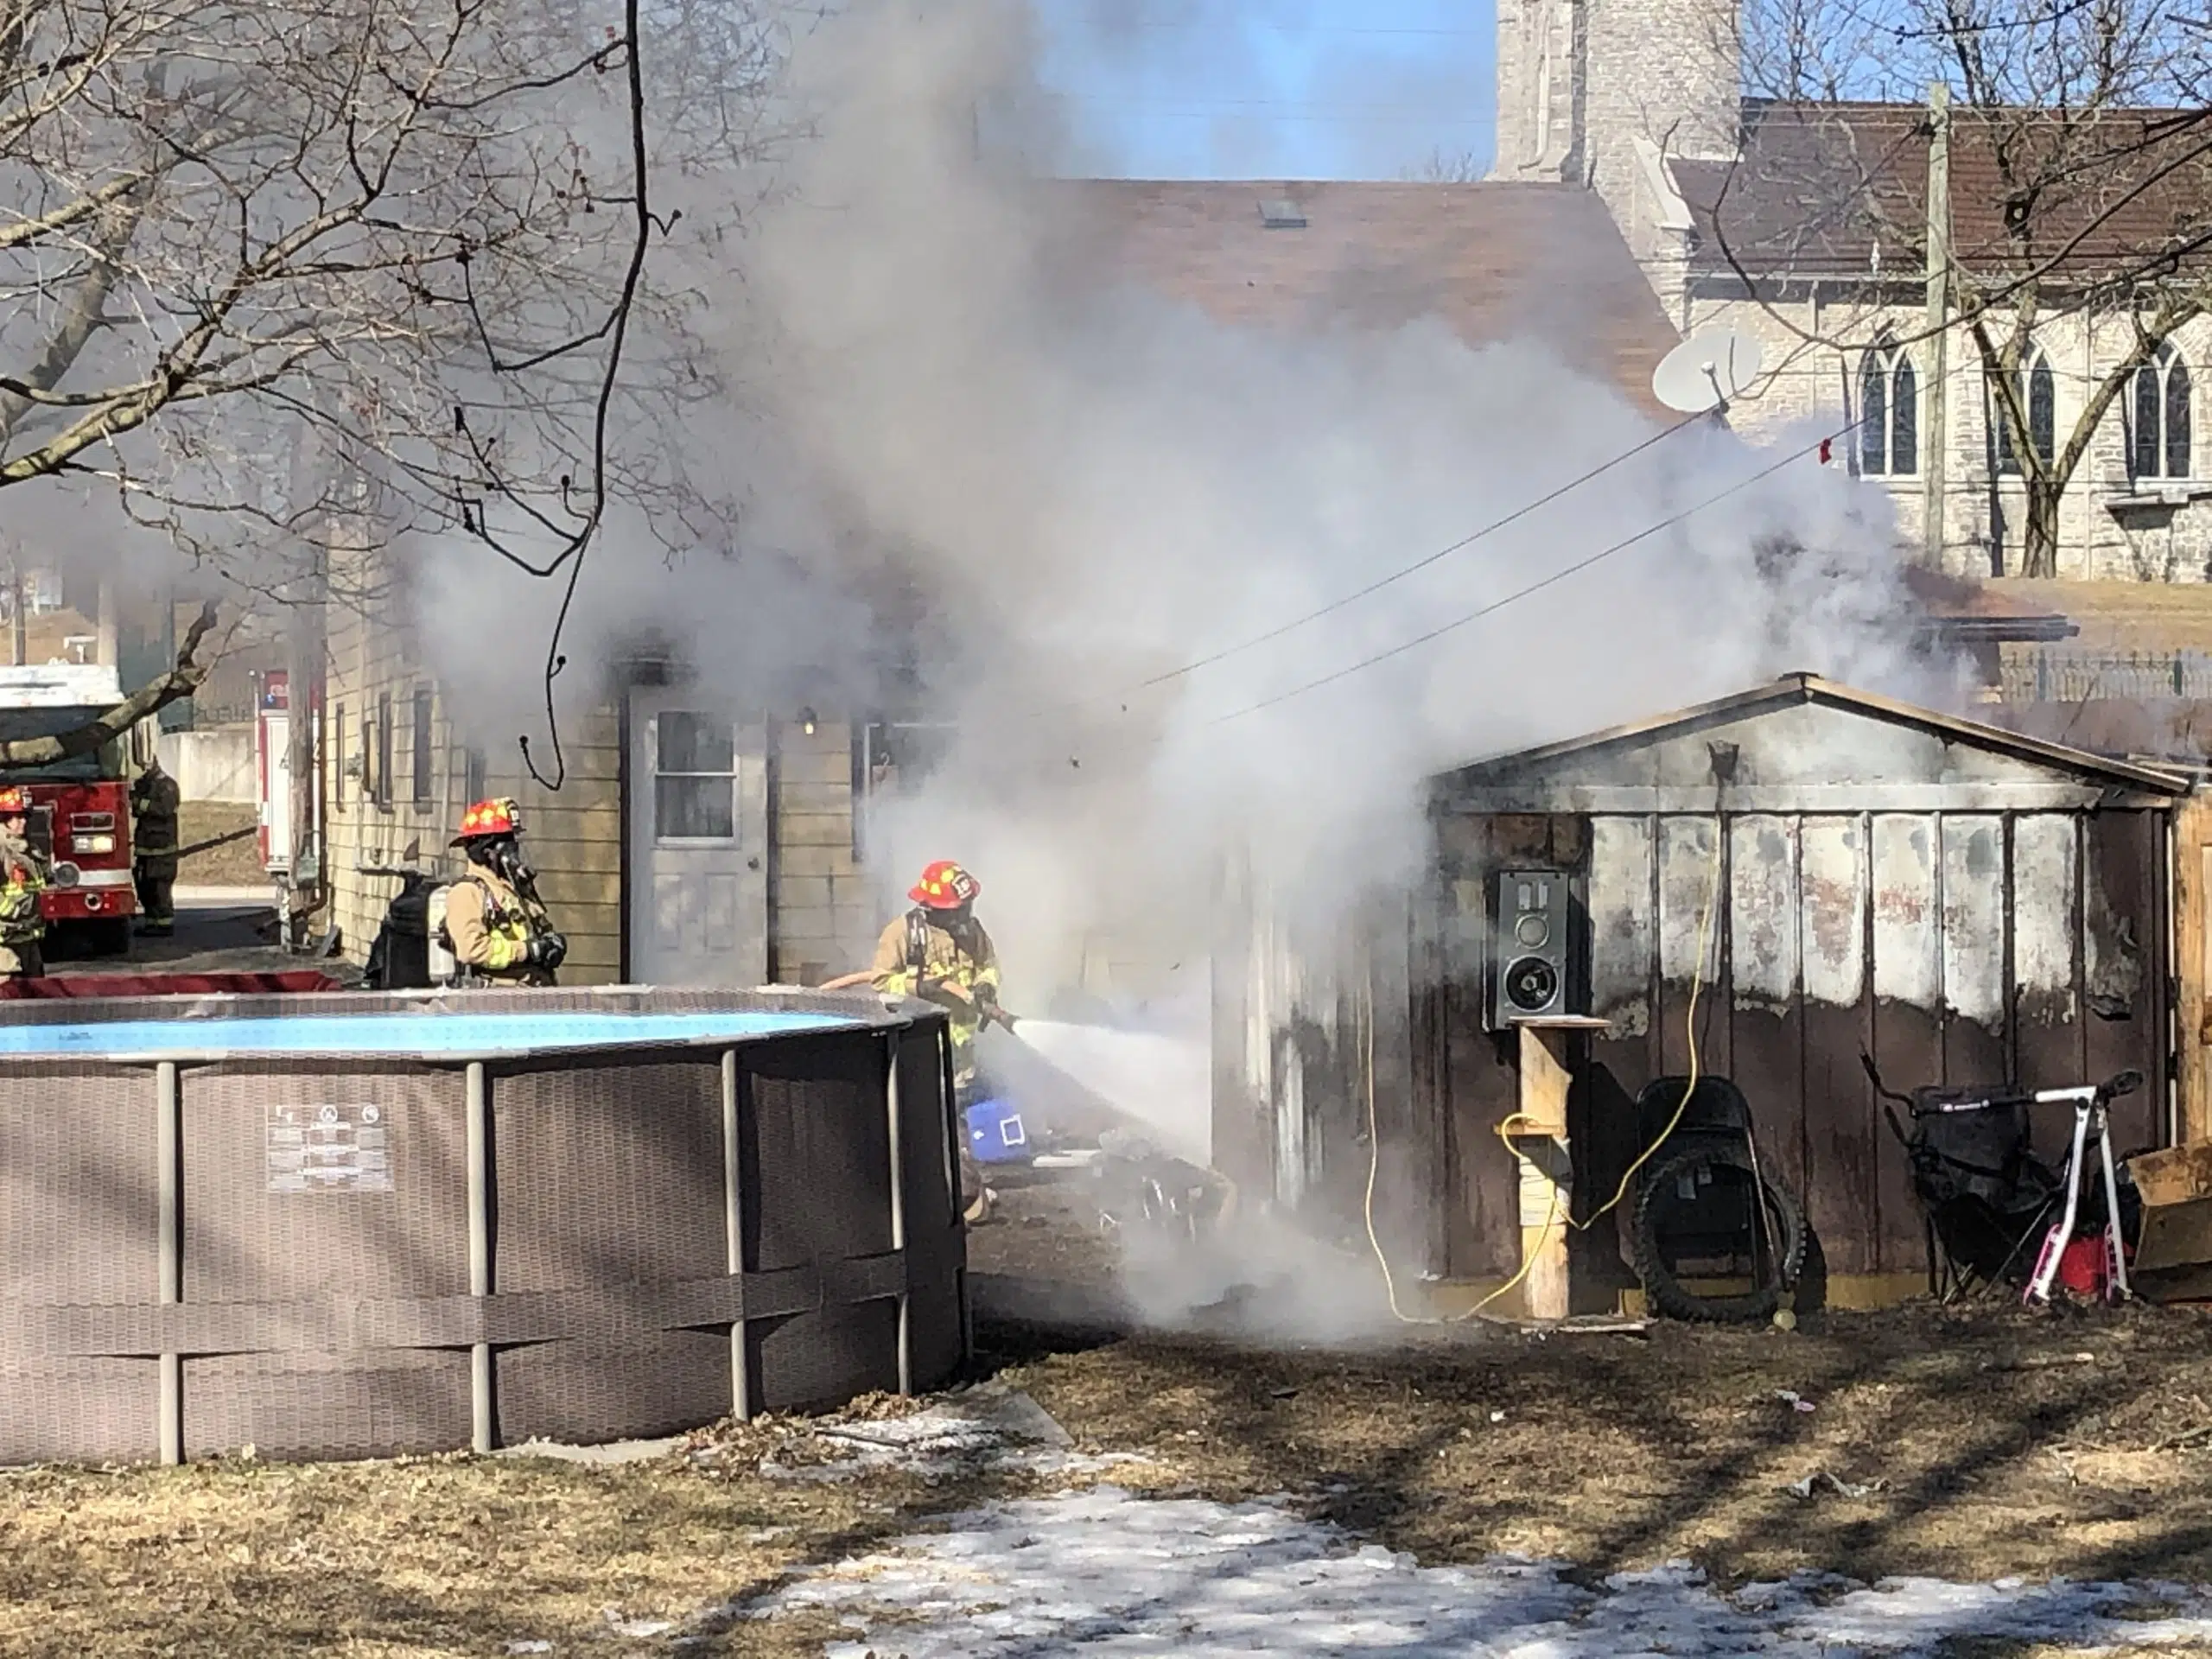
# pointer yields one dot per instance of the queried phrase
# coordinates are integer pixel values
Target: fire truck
(80, 808)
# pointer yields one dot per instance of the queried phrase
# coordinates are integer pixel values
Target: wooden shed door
(698, 841)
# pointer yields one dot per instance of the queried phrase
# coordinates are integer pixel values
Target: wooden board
(2192, 843)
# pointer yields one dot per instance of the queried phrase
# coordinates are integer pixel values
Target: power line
(1556, 576)
(1401, 573)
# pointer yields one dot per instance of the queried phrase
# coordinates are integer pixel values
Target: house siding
(574, 836)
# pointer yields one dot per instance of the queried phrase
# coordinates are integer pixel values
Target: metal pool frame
(596, 1244)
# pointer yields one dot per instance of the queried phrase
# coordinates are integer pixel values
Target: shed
(1962, 903)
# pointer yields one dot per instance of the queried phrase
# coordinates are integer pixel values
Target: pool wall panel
(294, 1285)
(78, 1270)
(333, 1318)
(609, 1177)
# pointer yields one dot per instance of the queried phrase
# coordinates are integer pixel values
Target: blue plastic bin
(995, 1133)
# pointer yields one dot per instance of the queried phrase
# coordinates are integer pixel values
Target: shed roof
(1492, 261)
(1794, 691)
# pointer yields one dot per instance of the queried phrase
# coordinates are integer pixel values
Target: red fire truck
(80, 808)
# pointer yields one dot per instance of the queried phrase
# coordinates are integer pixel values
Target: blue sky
(1270, 88)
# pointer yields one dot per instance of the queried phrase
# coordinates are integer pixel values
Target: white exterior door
(699, 843)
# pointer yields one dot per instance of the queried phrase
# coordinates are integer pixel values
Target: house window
(2040, 395)
(694, 778)
(473, 774)
(1889, 414)
(2158, 447)
(382, 789)
(421, 748)
(338, 749)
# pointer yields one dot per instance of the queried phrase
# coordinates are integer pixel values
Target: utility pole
(1933, 438)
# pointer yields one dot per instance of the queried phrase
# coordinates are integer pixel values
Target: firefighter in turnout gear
(496, 930)
(154, 803)
(940, 952)
(22, 878)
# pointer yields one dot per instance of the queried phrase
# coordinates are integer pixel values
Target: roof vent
(1282, 214)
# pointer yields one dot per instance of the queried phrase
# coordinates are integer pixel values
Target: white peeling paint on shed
(1973, 919)
(1908, 930)
(2045, 880)
(1687, 885)
(1762, 908)
(1623, 925)
(1834, 875)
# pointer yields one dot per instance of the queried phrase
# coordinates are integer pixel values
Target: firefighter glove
(548, 950)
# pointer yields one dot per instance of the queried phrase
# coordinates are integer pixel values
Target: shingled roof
(1490, 261)
(1839, 191)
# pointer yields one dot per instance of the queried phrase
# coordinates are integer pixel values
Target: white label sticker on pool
(329, 1148)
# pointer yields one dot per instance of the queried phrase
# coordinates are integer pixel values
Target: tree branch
(179, 683)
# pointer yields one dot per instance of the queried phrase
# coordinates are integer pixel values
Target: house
(1805, 226)
(1964, 904)
(689, 842)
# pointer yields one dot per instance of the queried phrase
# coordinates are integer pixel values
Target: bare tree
(404, 240)
(2083, 158)
(1443, 166)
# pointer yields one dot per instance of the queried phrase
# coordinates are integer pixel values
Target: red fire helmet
(499, 817)
(15, 801)
(945, 886)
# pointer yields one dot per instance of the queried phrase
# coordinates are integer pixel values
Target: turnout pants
(155, 880)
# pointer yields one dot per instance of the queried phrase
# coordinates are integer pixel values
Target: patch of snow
(1108, 1570)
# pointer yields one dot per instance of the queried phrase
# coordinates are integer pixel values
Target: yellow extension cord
(1552, 1218)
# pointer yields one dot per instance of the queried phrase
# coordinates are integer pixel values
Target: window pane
(2180, 463)
(696, 742)
(695, 809)
(384, 749)
(2002, 430)
(1905, 419)
(2043, 412)
(2143, 448)
(473, 774)
(1873, 415)
(421, 756)
(338, 749)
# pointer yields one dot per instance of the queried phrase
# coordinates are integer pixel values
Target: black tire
(1659, 1193)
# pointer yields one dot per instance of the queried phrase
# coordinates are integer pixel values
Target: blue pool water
(428, 1035)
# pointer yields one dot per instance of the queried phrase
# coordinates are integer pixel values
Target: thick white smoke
(935, 369)
(1101, 484)
(940, 375)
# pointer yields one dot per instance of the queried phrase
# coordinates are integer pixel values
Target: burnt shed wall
(1960, 914)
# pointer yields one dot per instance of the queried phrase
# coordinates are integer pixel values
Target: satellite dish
(1708, 370)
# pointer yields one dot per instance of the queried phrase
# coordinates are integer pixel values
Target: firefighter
(940, 952)
(496, 930)
(154, 803)
(22, 878)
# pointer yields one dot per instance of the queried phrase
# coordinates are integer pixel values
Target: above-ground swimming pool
(365, 1224)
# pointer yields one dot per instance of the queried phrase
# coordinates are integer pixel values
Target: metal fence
(2037, 676)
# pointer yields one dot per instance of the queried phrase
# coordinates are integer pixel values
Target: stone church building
(1804, 225)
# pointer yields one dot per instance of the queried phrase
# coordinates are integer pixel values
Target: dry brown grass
(1996, 1454)
(2000, 1455)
